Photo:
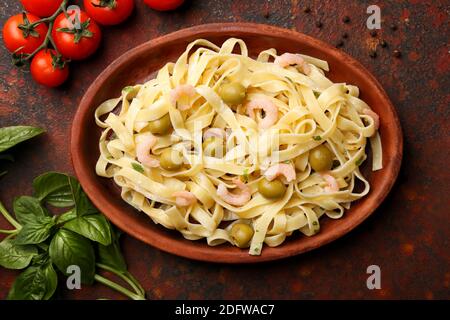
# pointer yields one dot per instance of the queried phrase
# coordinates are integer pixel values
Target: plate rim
(178, 245)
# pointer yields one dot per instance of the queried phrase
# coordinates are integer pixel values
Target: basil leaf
(28, 209)
(43, 246)
(66, 216)
(14, 256)
(35, 283)
(68, 248)
(41, 258)
(94, 227)
(111, 255)
(10, 136)
(52, 281)
(83, 205)
(54, 189)
(35, 231)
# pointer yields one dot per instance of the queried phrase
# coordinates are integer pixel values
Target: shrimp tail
(288, 59)
(179, 91)
(144, 144)
(236, 199)
(375, 117)
(184, 198)
(281, 169)
(332, 185)
(270, 109)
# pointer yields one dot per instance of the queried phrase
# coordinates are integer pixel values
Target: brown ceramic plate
(141, 63)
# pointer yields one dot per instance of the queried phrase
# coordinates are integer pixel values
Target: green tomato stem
(117, 287)
(61, 8)
(43, 45)
(8, 217)
(48, 36)
(126, 277)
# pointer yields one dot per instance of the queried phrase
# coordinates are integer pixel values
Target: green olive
(274, 189)
(321, 158)
(232, 93)
(171, 159)
(241, 233)
(213, 147)
(161, 125)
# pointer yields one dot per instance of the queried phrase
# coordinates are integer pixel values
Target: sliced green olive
(171, 159)
(232, 93)
(161, 125)
(321, 158)
(213, 147)
(242, 233)
(274, 189)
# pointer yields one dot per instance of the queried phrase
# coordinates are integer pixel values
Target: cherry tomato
(41, 8)
(73, 43)
(109, 12)
(16, 38)
(49, 69)
(164, 5)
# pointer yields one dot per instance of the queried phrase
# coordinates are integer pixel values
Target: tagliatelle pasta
(219, 140)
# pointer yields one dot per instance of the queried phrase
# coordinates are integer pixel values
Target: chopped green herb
(317, 138)
(246, 177)
(359, 161)
(315, 223)
(316, 94)
(290, 80)
(138, 167)
(128, 89)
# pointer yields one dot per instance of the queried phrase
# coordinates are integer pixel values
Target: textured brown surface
(407, 236)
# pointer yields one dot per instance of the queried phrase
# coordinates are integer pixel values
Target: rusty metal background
(408, 236)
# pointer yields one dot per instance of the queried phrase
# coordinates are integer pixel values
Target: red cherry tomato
(48, 69)
(41, 8)
(16, 38)
(73, 43)
(109, 12)
(164, 5)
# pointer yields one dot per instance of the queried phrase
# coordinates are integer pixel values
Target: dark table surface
(408, 236)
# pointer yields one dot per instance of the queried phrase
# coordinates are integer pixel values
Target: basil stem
(117, 287)
(126, 277)
(9, 231)
(8, 217)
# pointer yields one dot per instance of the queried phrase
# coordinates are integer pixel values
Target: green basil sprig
(44, 242)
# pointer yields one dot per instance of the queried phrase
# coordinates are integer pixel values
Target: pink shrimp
(214, 132)
(184, 198)
(235, 199)
(144, 144)
(287, 59)
(374, 116)
(284, 169)
(332, 185)
(270, 109)
(182, 90)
